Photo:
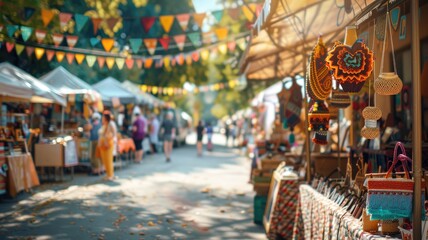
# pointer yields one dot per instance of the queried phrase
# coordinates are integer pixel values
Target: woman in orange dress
(107, 134)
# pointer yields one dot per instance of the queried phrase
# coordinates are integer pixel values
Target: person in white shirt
(154, 133)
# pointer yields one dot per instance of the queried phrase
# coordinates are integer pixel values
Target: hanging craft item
(283, 96)
(319, 117)
(340, 99)
(319, 77)
(351, 64)
(388, 83)
(294, 105)
(370, 129)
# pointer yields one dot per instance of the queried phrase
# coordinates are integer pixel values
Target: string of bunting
(170, 91)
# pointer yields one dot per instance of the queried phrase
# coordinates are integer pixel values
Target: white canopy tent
(111, 88)
(13, 90)
(145, 97)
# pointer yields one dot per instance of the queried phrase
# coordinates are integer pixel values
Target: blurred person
(168, 129)
(95, 161)
(199, 135)
(227, 134)
(107, 134)
(154, 133)
(233, 133)
(210, 132)
(138, 133)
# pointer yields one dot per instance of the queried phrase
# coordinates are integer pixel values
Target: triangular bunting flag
(139, 63)
(173, 62)
(395, 17)
(231, 46)
(135, 44)
(199, 18)
(101, 61)
(39, 53)
(147, 23)
(110, 62)
(234, 13)
(183, 20)
(79, 58)
(195, 56)
(164, 41)
(64, 18)
(47, 15)
(180, 59)
(235, 28)
(166, 22)
(249, 11)
(59, 56)
(29, 50)
(96, 24)
(70, 57)
(50, 54)
(221, 33)
(28, 13)
(242, 44)
(150, 45)
(71, 40)
(90, 60)
(195, 38)
(120, 62)
(111, 22)
(11, 29)
(167, 61)
(19, 48)
(148, 63)
(207, 37)
(81, 21)
(218, 15)
(205, 54)
(259, 9)
(57, 39)
(129, 63)
(94, 41)
(26, 32)
(180, 40)
(189, 60)
(222, 48)
(40, 35)
(107, 43)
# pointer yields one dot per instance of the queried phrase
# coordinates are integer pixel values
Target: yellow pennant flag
(107, 43)
(144, 88)
(47, 15)
(223, 48)
(79, 58)
(110, 62)
(205, 54)
(154, 89)
(166, 22)
(60, 56)
(90, 60)
(19, 48)
(249, 11)
(221, 33)
(242, 44)
(170, 91)
(120, 62)
(167, 61)
(39, 53)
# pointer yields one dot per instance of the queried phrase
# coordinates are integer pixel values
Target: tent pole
(62, 119)
(417, 125)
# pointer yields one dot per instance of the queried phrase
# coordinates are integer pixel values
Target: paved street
(190, 198)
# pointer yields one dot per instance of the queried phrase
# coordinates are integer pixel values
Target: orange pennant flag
(107, 43)
(59, 56)
(39, 53)
(189, 59)
(231, 46)
(120, 62)
(148, 63)
(110, 62)
(50, 54)
(47, 15)
(70, 58)
(79, 58)
(139, 63)
(101, 61)
(249, 11)
(151, 45)
(96, 24)
(129, 63)
(199, 18)
(180, 59)
(221, 33)
(166, 22)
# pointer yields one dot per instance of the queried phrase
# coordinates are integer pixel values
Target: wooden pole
(307, 142)
(417, 126)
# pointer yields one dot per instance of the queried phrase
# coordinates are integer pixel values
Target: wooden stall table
(22, 174)
(126, 146)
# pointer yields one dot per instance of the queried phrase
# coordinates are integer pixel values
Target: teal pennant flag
(218, 15)
(94, 41)
(195, 38)
(26, 32)
(11, 29)
(81, 21)
(135, 44)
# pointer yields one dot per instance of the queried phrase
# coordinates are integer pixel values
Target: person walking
(227, 134)
(168, 132)
(107, 134)
(154, 133)
(199, 134)
(138, 133)
(95, 161)
(210, 132)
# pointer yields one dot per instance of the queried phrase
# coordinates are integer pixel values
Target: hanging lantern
(370, 129)
(319, 117)
(319, 78)
(351, 63)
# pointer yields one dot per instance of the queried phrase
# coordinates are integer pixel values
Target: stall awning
(110, 88)
(11, 89)
(41, 92)
(288, 29)
(143, 97)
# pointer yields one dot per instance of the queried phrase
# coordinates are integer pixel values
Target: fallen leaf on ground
(184, 225)
(222, 210)
(205, 190)
(151, 224)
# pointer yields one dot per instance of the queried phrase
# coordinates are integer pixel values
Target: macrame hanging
(388, 83)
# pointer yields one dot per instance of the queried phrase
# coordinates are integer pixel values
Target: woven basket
(370, 133)
(372, 113)
(369, 225)
(388, 83)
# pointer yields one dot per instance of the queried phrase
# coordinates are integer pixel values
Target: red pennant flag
(111, 22)
(129, 63)
(96, 23)
(164, 42)
(71, 40)
(183, 20)
(147, 23)
(70, 57)
(101, 61)
(64, 18)
(10, 46)
(29, 50)
(259, 9)
(180, 40)
(40, 35)
(50, 54)
(195, 56)
(231, 46)
(139, 63)
(57, 39)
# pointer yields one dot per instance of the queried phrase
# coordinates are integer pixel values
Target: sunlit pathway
(190, 198)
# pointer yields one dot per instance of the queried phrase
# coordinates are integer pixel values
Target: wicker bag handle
(402, 157)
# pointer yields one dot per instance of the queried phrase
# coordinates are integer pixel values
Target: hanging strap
(392, 42)
(399, 157)
(384, 42)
